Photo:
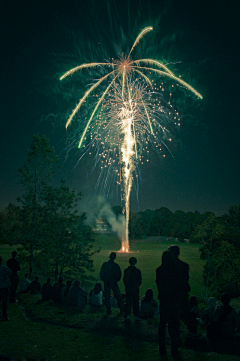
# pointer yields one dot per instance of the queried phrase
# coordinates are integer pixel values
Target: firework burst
(129, 113)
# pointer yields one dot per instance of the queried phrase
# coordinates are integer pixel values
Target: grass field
(53, 332)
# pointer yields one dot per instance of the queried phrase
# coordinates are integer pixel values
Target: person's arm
(140, 278)
(125, 277)
(119, 273)
(8, 271)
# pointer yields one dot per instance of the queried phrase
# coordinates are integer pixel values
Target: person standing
(168, 280)
(110, 274)
(132, 280)
(5, 283)
(184, 272)
(13, 264)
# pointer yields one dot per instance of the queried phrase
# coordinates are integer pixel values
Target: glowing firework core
(126, 114)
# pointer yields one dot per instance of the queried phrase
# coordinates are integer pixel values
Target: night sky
(40, 40)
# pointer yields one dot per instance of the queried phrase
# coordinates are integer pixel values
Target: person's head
(168, 258)
(149, 294)
(212, 301)
(36, 278)
(14, 254)
(133, 261)
(26, 275)
(49, 280)
(193, 301)
(175, 250)
(97, 288)
(112, 256)
(225, 298)
(77, 283)
(60, 280)
(69, 283)
(1, 259)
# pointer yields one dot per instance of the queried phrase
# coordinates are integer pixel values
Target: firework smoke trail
(123, 114)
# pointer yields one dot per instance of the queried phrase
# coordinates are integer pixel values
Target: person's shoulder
(182, 263)
(5, 268)
(159, 269)
(232, 310)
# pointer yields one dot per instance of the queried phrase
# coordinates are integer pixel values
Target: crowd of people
(220, 320)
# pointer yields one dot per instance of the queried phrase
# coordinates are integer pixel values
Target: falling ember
(123, 118)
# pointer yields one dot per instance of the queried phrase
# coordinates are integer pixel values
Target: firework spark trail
(123, 116)
(128, 153)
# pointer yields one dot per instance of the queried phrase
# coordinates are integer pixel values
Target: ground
(42, 330)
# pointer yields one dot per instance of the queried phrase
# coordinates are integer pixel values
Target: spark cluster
(128, 112)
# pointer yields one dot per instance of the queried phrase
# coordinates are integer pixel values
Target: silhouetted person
(47, 290)
(148, 305)
(224, 325)
(25, 283)
(5, 283)
(96, 296)
(183, 269)
(77, 295)
(194, 314)
(110, 274)
(65, 292)
(13, 264)
(132, 280)
(35, 287)
(168, 280)
(207, 315)
(57, 290)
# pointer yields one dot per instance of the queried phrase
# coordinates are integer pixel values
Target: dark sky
(40, 40)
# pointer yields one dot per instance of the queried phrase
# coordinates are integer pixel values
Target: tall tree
(36, 173)
(221, 271)
(10, 224)
(66, 244)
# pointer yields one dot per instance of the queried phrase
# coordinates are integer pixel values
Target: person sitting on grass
(35, 287)
(77, 295)
(5, 283)
(25, 283)
(96, 296)
(148, 305)
(194, 314)
(224, 325)
(207, 315)
(47, 290)
(65, 292)
(57, 289)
